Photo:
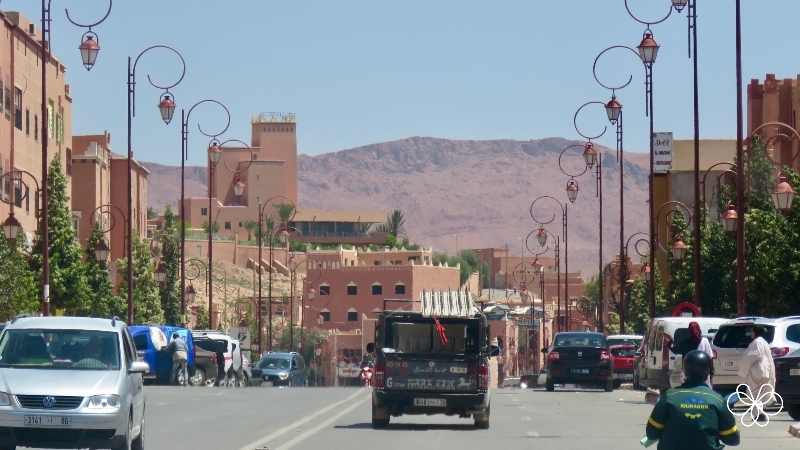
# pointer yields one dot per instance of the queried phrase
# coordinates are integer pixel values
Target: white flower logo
(756, 404)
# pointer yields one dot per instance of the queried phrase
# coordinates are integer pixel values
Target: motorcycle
(366, 375)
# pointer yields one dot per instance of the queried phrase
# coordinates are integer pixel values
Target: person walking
(758, 370)
(695, 341)
(179, 351)
(692, 416)
(501, 371)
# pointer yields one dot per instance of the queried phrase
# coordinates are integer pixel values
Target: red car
(624, 356)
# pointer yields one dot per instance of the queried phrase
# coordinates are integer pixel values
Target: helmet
(697, 365)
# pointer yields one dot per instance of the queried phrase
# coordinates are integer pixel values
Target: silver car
(70, 382)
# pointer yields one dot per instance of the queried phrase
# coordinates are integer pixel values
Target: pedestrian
(695, 341)
(692, 416)
(501, 373)
(758, 370)
(179, 351)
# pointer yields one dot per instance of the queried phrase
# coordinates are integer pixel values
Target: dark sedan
(787, 382)
(205, 368)
(580, 358)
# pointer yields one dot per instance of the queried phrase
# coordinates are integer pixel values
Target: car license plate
(794, 372)
(730, 364)
(48, 421)
(430, 402)
(580, 371)
(625, 375)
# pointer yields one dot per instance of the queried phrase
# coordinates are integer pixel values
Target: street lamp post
(103, 250)
(89, 50)
(11, 226)
(214, 156)
(166, 108)
(184, 156)
(564, 229)
(284, 238)
(541, 236)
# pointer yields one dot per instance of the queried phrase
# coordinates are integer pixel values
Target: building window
(76, 226)
(1, 96)
(60, 126)
(8, 103)
(377, 289)
(240, 225)
(69, 161)
(352, 289)
(400, 289)
(227, 225)
(326, 316)
(352, 316)
(324, 290)
(51, 111)
(35, 127)
(27, 122)
(377, 263)
(27, 199)
(254, 157)
(18, 108)
(1, 184)
(203, 211)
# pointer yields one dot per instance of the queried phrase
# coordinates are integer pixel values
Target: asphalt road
(339, 419)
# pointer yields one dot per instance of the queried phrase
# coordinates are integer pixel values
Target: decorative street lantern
(190, 295)
(102, 252)
(646, 273)
(283, 236)
(584, 325)
(292, 264)
(782, 195)
(161, 273)
(572, 190)
(541, 236)
(729, 219)
(214, 153)
(524, 295)
(89, 49)
(648, 49)
(679, 4)
(11, 228)
(537, 266)
(320, 319)
(166, 108)
(613, 109)
(238, 188)
(589, 155)
(312, 293)
(678, 248)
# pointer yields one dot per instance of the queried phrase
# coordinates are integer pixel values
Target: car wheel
(794, 410)
(609, 386)
(211, 382)
(550, 385)
(617, 384)
(199, 377)
(126, 444)
(380, 423)
(636, 385)
(481, 420)
(138, 443)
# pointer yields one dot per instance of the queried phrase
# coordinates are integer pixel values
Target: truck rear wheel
(609, 386)
(481, 420)
(550, 385)
(380, 417)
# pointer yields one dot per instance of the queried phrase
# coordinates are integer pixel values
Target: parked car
(619, 339)
(787, 383)
(623, 356)
(205, 368)
(150, 342)
(581, 358)
(70, 382)
(283, 369)
(654, 360)
(232, 374)
(675, 378)
(733, 337)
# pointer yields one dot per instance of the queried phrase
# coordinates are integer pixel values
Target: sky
(358, 72)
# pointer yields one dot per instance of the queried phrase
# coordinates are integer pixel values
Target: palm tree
(250, 226)
(285, 211)
(395, 223)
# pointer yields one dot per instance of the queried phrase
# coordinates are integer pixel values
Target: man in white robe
(758, 369)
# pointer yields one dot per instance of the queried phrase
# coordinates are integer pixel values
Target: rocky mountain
(468, 194)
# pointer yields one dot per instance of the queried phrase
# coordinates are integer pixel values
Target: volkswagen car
(70, 382)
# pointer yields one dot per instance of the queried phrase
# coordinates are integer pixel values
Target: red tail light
(380, 371)
(214, 357)
(553, 356)
(713, 354)
(604, 355)
(483, 377)
(777, 352)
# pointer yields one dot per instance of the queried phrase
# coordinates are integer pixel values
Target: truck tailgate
(413, 373)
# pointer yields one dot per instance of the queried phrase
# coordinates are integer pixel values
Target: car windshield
(274, 363)
(738, 336)
(60, 349)
(579, 340)
(621, 341)
(424, 337)
(623, 352)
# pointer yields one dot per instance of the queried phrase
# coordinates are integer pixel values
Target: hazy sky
(361, 72)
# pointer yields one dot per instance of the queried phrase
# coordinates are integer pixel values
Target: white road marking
(526, 418)
(514, 399)
(533, 434)
(263, 441)
(162, 403)
(317, 428)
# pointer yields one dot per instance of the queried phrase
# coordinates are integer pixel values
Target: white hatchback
(730, 342)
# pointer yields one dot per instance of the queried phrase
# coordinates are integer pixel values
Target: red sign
(685, 309)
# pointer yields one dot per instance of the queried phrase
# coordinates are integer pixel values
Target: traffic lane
(229, 418)
(576, 419)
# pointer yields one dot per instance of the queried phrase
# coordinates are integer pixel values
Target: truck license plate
(730, 364)
(626, 376)
(48, 421)
(580, 371)
(794, 372)
(430, 402)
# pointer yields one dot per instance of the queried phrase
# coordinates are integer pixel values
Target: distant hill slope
(480, 191)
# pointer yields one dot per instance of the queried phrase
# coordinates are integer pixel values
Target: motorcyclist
(692, 416)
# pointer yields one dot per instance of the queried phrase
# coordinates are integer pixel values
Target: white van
(233, 357)
(654, 360)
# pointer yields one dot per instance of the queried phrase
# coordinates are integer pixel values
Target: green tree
(395, 224)
(250, 226)
(637, 306)
(146, 302)
(69, 289)
(215, 227)
(285, 211)
(169, 291)
(151, 213)
(19, 292)
(202, 318)
(103, 302)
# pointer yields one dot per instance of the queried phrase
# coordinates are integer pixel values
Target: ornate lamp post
(184, 156)
(543, 238)
(12, 226)
(166, 108)
(88, 56)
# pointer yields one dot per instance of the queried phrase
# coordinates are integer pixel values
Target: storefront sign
(662, 152)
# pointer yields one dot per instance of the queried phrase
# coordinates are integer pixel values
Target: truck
(432, 358)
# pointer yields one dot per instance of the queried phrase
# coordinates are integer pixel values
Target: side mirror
(494, 351)
(371, 347)
(139, 367)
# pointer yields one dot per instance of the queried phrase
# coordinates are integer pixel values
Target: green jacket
(692, 417)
